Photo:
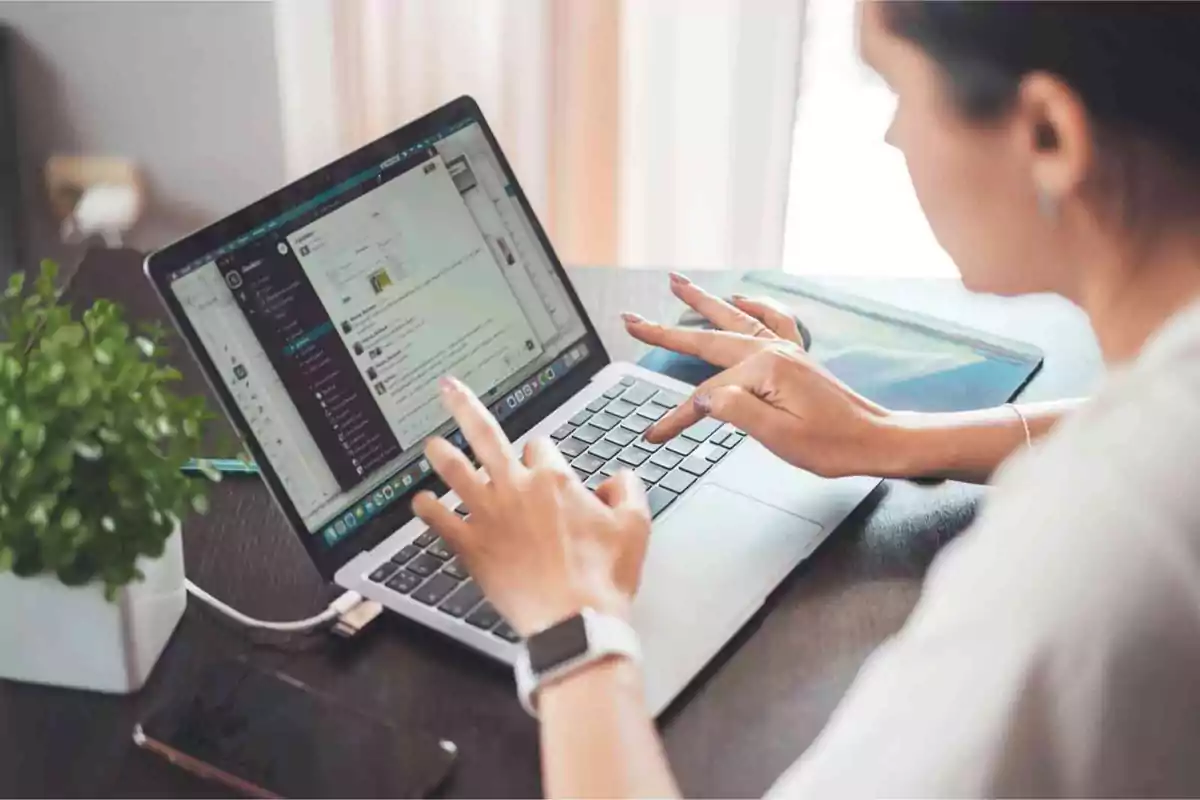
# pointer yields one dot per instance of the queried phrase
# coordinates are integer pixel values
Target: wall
(188, 89)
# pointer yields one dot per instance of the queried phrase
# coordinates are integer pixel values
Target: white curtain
(851, 207)
(645, 132)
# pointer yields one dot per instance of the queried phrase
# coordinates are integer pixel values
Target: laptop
(323, 316)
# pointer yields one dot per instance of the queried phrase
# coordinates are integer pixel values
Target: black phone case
(193, 732)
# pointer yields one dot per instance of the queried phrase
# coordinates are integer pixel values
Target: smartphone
(268, 735)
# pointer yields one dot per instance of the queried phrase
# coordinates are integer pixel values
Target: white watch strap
(606, 636)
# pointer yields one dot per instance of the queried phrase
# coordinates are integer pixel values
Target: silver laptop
(323, 316)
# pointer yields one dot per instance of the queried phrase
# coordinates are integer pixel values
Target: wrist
(912, 445)
(547, 612)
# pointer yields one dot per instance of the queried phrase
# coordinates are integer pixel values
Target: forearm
(968, 445)
(598, 739)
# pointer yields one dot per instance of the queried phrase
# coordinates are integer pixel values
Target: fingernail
(629, 316)
(681, 280)
(448, 384)
(739, 297)
(702, 402)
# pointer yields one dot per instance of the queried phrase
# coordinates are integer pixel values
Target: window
(851, 208)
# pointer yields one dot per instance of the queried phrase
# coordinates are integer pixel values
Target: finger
(442, 521)
(541, 453)
(624, 490)
(780, 320)
(748, 374)
(717, 311)
(455, 471)
(720, 348)
(746, 410)
(480, 429)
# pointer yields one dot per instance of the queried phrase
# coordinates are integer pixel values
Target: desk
(748, 716)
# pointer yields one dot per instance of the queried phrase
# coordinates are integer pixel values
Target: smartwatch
(567, 647)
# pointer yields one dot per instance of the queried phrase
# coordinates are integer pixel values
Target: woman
(1056, 648)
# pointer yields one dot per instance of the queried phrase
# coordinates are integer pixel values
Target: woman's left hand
(540, 545)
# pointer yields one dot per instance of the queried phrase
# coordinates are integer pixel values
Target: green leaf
(6, 559)
(200, 504)
(33, 436)
(70, 519)
(16, 285)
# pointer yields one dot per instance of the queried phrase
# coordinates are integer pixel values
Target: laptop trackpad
(713, 558)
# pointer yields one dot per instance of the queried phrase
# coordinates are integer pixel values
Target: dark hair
(1134, 65)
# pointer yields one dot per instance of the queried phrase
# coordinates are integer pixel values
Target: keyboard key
(434, 589)
(425, 539)
(639, 393)
(589, 434)
(440, 549)
(506, 633)
(563, 432)
(588, 463)
(651, 411)
(594, 482)
(702, 429)
(456, 569)
(678, 481)
(694, 465)
(668, 399)
(636, 424)
(571, 447)
(581, 475)
(597, 404)
(605, 450)
(383, 572)
(612, 468)
(628, 381)
(461, 510)
(633, 456)
(659, 498)
(680, 445)
(581, 418)
(483, 617)
(408, 552)
(716, 455)
(614, 392)
(666, 459)
(726, 429)
(467, 597)
(605, 420)
(424, 565)
(651, 472)
(620, 408)
(621, 436)
(403, 582)
(650, 446)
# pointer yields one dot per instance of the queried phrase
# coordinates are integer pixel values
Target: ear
(1052, 126)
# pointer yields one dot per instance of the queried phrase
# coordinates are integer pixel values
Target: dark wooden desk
(746, 719)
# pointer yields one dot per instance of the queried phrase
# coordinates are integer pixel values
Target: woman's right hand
(773, 390)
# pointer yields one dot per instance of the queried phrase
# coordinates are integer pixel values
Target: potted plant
(91, 494)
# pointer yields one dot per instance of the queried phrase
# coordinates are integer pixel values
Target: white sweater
(1056, 646)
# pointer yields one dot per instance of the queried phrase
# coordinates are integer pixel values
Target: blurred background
(685, 134)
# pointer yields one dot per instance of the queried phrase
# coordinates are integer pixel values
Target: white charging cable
(335, 610)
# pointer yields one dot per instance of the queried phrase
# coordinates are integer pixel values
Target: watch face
(557, 645)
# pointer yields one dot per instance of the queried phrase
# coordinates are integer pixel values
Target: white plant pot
(72, 636)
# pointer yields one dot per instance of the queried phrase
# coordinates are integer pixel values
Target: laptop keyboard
(598, 441)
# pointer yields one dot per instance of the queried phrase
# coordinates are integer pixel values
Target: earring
(1047, 204)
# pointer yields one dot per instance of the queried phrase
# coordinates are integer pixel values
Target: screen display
(331, 324)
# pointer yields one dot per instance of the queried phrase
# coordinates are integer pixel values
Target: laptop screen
(330, 324)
